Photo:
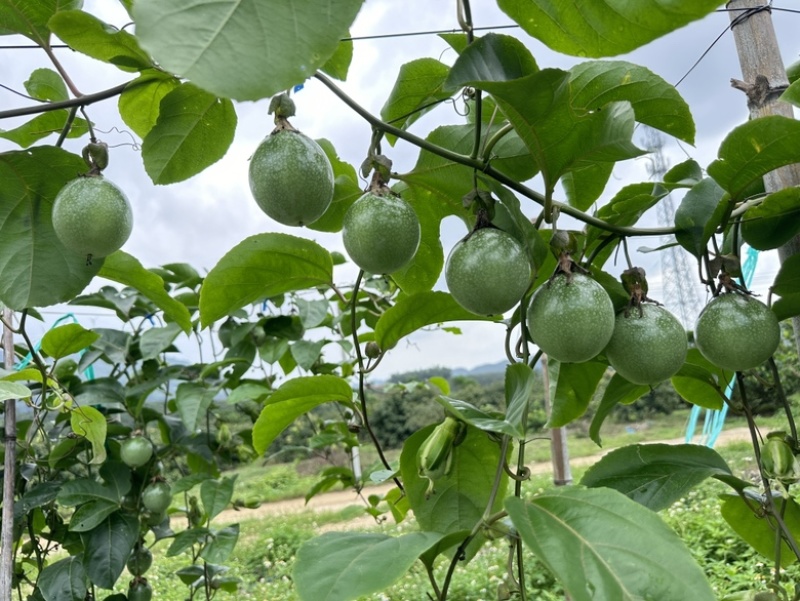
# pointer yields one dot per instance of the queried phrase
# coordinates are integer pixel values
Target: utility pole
(764, 80)
(559, 453)
(9, 475)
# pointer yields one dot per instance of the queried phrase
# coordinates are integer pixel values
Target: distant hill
(480, 370)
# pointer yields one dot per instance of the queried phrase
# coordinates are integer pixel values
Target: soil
(338, 500)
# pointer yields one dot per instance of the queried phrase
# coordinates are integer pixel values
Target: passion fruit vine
(737, 332)
(291, 177)
(571, 318)
(488, 271)
(92, 217)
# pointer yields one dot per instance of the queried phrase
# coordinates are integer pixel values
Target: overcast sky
(199, 220)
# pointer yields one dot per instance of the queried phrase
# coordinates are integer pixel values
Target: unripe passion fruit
(647, 348)
(488, 272)
(92, 217)
(140, 560)
(140, 590)
(380, 233)
(291, 178)
(737, 332)
(136, 451)
(571, 321)
(157, 497)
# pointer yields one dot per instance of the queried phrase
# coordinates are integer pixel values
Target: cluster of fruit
(571, 318)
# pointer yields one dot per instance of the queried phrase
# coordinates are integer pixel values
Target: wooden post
(764, 80)
(9, 475)
(559, 453)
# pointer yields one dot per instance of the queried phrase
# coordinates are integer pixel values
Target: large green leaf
(346, 190)
(193, 401)
(87, 34)
(585, 185)
(12, 390)
(294, 398)
(792, 93)
(700, 382)
(107, 548)
(493, 57)
(773, 222)
(418, 89)
(67, 339)
(787, 281)
(243, 49)
(221, 545)
(339, 566)
(194, 130)
(46, 84)
(216, 495)
(618, 390)
(262, 266)
(154, 341)
(35, 269)
(601, 545)
(572, 386)
(655, 475)
(752, 150)
(139, 105)
(124, 269)
(416, 311)
(460, 497)
(30, 18)
(700, 213)
(41, 126)
(338, 64)
(603, 27)
(757, 531)
(90, 515)
(64, 580)
(655, 102)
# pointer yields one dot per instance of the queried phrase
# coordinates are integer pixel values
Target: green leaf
(601, 545)
(417, 90)
(604, 27)
(416, 311)
(108, 547)
(483, 420)
(655, 102)
(46, 84)
(262, 266)
(12, 390)
(65, 340)
(572, 386)
(339, 566)
(216, 495)
(700, 213)
(618, 390)
(687, 173)
(698, 384)
(244, 50)
(583, 186)
(520, 382)
(752, 150)
(461, 496)
(139, 105)
(792, 93)
(41, 126)
(773, 222)
(493, 57)
(88, 422)
(757, 531)
(89, 35)
(294, 398)
(193, 131)
(221, 545)
(124, 269)
(307, 352)
(346, 190)
(154, 341)
(30, 19)
(312, 313)
(787, 282)
(89, 515)
(185, 539)
(338, 64)
(35, 268)
(193, 400)
(655, 475)
(786, 307)
(64, 580)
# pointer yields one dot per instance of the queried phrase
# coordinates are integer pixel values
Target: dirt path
(338, 500)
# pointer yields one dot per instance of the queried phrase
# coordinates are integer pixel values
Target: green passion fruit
(488, 272)
(291, 178)
(647, 348)
(571, 318)
(157, 497)
(92, 217)
(136, 451)
(737, 332)
(381, 233)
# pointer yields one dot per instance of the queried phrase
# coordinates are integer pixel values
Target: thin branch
(67, 104)
(480, 165)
